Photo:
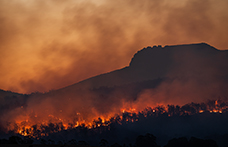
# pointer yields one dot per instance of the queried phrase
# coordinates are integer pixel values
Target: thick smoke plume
(172, 75)
(50, 44)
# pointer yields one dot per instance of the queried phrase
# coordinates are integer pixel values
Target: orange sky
(50, 44)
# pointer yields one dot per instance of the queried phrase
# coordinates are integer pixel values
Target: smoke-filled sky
(49, 44)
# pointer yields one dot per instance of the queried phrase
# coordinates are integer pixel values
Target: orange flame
(27, 125)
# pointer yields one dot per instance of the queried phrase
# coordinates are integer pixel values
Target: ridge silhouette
(171, 74)
(158, 62)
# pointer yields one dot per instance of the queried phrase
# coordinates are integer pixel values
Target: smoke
(195, 74)
(158, 76)
(50, 44)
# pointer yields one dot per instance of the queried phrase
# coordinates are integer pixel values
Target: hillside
(158, 62)
(183, 77)
(184, 73)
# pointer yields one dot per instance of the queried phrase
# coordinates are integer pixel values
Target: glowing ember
(201, 111)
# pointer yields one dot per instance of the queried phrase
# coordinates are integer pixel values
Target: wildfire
(201, 111)
(129, 110)
(28, 127)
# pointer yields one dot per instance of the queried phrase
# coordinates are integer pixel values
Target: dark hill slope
(156, 75)
(181, 73)
(158, 62)
(10, 100)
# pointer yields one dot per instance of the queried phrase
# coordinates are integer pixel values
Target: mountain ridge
(157, 52)
(174, 75)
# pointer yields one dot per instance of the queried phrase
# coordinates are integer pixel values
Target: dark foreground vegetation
(173, 126)
(147, 140)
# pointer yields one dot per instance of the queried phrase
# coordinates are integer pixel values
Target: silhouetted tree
(103, 142)
(196, 142)
(171, 110)
(72, 142)
(148, 140)
(4, 141)
(43, 141)
(15, 140)
(188, 108)
(50, 141)
(116, 145)
(178, 142)
(28, 140)
(60, 142)
(82, 143)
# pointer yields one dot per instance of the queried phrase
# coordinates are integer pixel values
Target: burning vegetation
(32, 126)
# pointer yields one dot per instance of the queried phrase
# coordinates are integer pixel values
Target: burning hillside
(171, 82)
(33, 126)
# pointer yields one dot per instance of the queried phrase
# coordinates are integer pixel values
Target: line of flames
(26, 127)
